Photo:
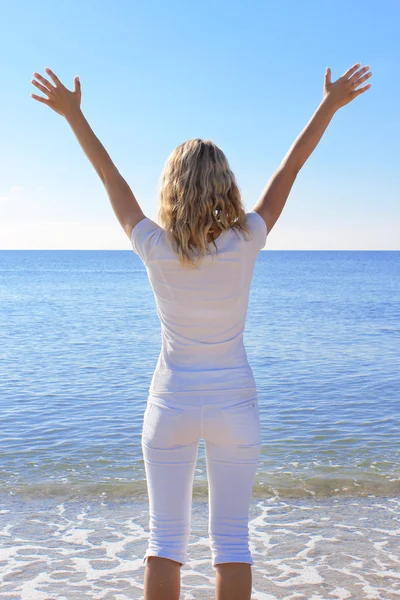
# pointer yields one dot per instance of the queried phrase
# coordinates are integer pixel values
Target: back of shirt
(202, 310)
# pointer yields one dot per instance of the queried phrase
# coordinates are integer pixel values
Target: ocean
(80, 338)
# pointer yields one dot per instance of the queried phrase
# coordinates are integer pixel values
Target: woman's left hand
(59, 98)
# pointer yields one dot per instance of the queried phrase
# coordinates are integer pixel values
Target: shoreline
(305, 548)
(290, 488)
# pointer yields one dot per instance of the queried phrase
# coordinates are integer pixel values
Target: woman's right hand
(343, 90)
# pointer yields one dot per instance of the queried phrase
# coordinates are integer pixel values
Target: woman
(200, 265)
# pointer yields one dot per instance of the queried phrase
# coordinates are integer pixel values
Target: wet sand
(311, 549)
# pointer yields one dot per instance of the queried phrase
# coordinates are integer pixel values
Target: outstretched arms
(67, 103)
(335, 96)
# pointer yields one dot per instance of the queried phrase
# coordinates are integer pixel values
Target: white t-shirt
(202, 310)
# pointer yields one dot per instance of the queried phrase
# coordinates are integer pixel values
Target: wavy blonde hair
(198, 194)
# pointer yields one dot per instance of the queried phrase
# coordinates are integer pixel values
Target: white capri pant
(173, 424)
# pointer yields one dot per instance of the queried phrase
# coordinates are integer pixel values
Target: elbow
(291, 166)
(108, 174)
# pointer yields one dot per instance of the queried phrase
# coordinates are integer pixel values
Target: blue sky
(248, 75)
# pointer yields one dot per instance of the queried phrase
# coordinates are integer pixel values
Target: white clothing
(172, 428)
(202, 310)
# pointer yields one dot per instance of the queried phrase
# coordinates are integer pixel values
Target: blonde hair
(198, 193)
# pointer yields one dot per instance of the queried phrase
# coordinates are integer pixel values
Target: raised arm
(335, 96)
(67, 104)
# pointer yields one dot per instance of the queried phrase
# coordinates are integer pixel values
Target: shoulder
(143, 236)
(258, 228)
(255, 220)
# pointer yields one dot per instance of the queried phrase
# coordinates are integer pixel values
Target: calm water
(80, 339)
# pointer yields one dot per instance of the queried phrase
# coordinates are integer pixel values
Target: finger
(44, 81)
(359, 81)
(77, 84)
(328, 76)
(361, 90)
(359, 74)
(53, 76)
(40, 99)
(352, 70)
(41, 87)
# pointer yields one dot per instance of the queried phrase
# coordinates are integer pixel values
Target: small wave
(274, 485)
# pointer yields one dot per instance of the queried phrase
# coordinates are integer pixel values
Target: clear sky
(247, 75)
